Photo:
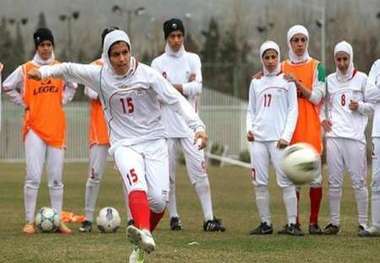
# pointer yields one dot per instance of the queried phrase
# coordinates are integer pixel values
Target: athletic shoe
(141, 238)
(262, 229)
(331, 229)
(370, 232)
(175, 224)
(314, 229)
(292, 230)
(63, 229)
(86, 226)
(29, 229)
(130, 222)
(137, 255)
(214, 225)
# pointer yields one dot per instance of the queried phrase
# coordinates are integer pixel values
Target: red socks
(138, 204)
(315, 203)
(155, 219)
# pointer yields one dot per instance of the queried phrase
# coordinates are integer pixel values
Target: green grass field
(233, 202)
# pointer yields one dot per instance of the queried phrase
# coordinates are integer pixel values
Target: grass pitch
(233, 201)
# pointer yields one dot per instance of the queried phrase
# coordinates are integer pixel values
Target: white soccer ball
(108, 220)
(301, 163)
(47, 220)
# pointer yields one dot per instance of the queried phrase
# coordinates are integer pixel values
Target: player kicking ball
(131, 93)
(271, 120)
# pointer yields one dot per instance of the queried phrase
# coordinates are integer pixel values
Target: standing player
(373, 96)
(183, 70)
(44, 126)
(345, 125)
(309, 76)
(99, 144)
(271, 120)
(131, 94)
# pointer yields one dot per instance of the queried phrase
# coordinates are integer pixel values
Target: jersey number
(132, 176)
(343, 100)
(127, 105)
(267, 100)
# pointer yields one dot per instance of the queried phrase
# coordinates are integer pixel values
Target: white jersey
(177, 69)
(272, 108)
(373, 95)
(346, 123)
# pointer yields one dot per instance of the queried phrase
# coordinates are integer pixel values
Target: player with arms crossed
(309, 76)
(271, 120)
(44, 126)
(373, 96)
(345, 123)
(183, 70)
(131, 94)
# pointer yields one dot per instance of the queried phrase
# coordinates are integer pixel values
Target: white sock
(361, 196)
(202, 187)
(56, 197)
(335, 196)
(172, 206)
(92, 191)
(30, 201)
(375, 209)
(290, 201)
(262, 202)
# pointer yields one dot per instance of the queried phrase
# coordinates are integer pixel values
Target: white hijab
(264, 47)
(171, 52)
(346, 48)
(41, 62)
(109, 40)
(298, 29)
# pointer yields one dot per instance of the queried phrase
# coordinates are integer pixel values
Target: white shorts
(145, 167)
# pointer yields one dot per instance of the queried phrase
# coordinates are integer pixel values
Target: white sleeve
(87, 75)
(319, 89)
(372, 90)
(169, 95)
(365, 107)
(13, 86)
(291, 119)
(69, 91)
(90, 93)
(251, 107)
(194, 87)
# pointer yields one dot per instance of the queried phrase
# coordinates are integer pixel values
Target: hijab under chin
(40, 61)
(171, 52)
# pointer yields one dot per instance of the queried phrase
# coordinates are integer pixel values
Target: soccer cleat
(331, 229)
(86, 226)
(141, 238)
(370, 232)
(130, 222)
(292, 230)
(214, 225)
(262, 229)
(29, 229)
(63, 229)
(175, 224)
(137, 255)
(314, 229)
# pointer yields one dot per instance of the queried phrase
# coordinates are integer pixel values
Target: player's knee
(33, 183)
(200, 180)
(358, 183)
(158, 201)
(55, 184)
(376, 184)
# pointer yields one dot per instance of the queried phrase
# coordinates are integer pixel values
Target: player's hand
(34, 74)
(1, 67)
(354, 105)
(250, 136)
(201, 139)
(192, 77)
(178, 87)
(290, 78)
(282, 144)
(326, 124)
(258, 75)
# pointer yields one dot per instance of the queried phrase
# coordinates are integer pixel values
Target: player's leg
(131, 164)
(259, 178)
(97, 160)
(315, 194)
(175, 222)
(54, 170)
(35, 150)
(197, 173)
(374, 230)
(288, 192)
(355, 157)
(335, 165)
